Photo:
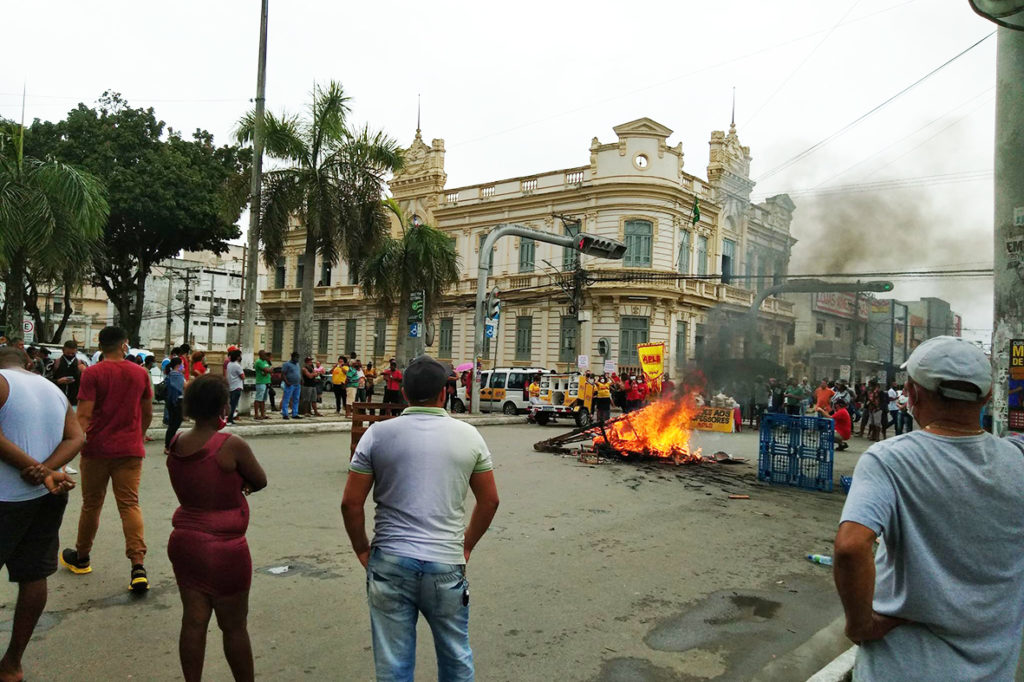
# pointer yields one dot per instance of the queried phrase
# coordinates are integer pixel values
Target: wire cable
(818, 145)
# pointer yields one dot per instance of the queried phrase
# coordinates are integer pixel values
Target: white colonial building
(634, 189)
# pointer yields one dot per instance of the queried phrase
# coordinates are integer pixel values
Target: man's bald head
(13, 357)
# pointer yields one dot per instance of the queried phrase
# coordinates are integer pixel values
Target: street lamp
(591, 245)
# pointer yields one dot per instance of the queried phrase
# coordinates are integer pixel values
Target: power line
(911, 134)
(674, 79)
(799, 66)
(898, 183)
(810, 150)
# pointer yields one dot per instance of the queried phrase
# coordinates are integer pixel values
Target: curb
(839, 670)
(283, 428)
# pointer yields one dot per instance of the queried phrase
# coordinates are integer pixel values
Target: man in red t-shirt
(392, 384)
(115, 407)
(843, 427)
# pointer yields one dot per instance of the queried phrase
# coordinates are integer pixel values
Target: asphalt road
(616, 571)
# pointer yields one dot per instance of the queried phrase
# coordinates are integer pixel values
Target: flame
(662, 430)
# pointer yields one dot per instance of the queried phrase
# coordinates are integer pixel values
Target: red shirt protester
(115, 429)
(843, 425)
(393, 379)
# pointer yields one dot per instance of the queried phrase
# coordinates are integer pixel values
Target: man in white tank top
(38, 435)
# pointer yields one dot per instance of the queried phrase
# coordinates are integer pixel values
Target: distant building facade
(843, 335)
(633, 189)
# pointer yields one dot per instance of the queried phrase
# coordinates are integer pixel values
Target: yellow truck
(563, 396)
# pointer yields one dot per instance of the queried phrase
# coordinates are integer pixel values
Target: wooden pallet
(361, 419)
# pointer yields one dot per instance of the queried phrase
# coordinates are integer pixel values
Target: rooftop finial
(417, 114)
(732, 123)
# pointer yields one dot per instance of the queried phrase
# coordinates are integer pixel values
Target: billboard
(840, 304)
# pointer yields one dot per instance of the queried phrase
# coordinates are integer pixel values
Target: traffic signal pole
(597, 246)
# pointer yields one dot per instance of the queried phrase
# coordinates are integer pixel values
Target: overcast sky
(521, 87)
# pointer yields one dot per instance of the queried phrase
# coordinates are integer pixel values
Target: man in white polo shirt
(39, 434)
(942, 596)
(420, 466)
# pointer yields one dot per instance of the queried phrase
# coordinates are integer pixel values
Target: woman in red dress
(211, 474)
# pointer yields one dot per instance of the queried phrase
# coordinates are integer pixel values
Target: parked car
(503, 389)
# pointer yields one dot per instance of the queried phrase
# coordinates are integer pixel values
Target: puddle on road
(744, 628)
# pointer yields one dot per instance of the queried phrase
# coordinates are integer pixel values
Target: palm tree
(333, 186)
(50, 216)
(423, 259)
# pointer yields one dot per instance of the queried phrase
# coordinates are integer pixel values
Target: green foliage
(332, 187)
(424, 258)
(50, 215)
(166, 193)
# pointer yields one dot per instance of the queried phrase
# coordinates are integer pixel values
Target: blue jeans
(290, 397)
(398, 589)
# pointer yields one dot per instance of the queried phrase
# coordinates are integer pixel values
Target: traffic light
(492, 307)
(600, 246)
(604, 346)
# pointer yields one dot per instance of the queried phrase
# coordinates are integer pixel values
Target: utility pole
(188, 306)
(1008, 304)
(853, 335)
(170, 318)
(248, 327)
(209, 322)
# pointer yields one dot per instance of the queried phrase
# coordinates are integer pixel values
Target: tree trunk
(134, 323)
(15, 285)
(306, 302)
(59, 331)
(402, 342)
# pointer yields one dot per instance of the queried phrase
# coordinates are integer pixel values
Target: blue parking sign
(414, 329)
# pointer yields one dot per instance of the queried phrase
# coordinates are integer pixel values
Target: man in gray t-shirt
(942, 598)
(420, 466)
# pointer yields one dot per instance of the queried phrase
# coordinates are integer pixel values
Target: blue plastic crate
(796, 451)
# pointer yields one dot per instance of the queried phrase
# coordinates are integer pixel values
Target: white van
(503, 389)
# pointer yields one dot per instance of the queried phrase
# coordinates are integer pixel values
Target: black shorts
(28, 537)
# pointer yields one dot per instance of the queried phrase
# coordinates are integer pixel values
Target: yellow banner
(714, 419)
(652, 361)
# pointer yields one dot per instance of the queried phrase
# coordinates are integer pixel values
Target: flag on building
(696, 210)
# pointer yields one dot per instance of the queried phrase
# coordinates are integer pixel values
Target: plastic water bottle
(820, 559)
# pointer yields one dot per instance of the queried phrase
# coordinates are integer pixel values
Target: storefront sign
(1015, 388)
(841, 304)
(714, 419)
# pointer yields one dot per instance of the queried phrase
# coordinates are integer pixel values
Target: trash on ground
(739, 497)
(822, 559)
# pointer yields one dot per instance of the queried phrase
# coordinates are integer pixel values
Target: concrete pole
(170, 317)
(1008, 314)
(209, 319)
(248, 330)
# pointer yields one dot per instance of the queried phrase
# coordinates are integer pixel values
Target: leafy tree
(49, 212)
(333, 186)
(166, 193)
(423, 259)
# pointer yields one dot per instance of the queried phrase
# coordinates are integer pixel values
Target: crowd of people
(928, 557)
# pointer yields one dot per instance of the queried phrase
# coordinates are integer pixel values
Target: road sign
(489, 330)
(28, 330)
(414, 330)
(416, 306)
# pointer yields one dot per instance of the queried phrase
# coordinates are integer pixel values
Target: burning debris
(659, 431)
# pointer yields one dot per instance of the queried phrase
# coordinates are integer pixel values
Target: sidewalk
(328, 423)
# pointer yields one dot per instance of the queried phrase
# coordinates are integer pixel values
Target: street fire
(660, 430)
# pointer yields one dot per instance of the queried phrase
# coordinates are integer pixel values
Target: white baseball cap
(947, 358)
